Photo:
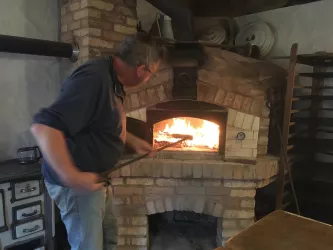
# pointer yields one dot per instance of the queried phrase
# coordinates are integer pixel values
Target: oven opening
(206, 134)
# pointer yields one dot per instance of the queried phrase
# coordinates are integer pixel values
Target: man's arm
(53, 144)
(73, 111)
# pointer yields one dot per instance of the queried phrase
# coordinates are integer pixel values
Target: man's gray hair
(136, 51)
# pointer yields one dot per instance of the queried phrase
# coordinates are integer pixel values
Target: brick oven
(220, 182)
(218, 179)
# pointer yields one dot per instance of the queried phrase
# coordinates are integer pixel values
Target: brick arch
(159, 90)
(190, 203)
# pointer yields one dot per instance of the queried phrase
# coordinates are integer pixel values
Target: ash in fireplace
(182, 231)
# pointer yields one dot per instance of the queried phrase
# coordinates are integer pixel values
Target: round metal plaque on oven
(241, 136)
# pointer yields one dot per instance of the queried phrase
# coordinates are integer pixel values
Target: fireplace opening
(205, 122)
(205, 134)
(182, 230)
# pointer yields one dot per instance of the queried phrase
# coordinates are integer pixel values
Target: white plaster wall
(26, 82)
(309, 25)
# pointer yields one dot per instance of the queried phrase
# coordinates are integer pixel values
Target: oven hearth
(205, 134)
(205, 122)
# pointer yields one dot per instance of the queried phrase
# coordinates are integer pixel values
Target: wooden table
(283, 231)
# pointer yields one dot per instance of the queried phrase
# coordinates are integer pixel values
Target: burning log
(205, 134)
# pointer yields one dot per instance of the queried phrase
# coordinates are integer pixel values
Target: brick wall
(213, 187)
(226, 79)
(159, 90)
(97, 25)
(239, 122)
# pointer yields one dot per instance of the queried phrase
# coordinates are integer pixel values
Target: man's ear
(140, 70)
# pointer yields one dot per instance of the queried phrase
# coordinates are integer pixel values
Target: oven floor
(177, 235)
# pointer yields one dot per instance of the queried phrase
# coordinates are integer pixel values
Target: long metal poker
(105, 175)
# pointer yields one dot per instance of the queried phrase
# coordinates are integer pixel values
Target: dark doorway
(182, 230)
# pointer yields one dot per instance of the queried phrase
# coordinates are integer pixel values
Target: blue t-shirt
(89, 111)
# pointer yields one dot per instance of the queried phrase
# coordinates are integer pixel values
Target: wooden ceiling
(232, 8)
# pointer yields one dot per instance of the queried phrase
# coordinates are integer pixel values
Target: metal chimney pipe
(22, 45)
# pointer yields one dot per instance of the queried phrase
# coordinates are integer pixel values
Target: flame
(204, 135)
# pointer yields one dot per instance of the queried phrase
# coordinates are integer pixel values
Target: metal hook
(158, 15)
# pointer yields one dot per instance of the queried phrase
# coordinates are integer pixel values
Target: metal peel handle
(105, 175)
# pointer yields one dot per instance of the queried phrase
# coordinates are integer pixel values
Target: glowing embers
(205, 134)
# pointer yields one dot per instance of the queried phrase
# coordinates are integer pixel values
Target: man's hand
(140, 146)
(83, 181)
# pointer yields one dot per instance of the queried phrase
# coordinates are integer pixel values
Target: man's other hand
(83, 181)
(141, 146)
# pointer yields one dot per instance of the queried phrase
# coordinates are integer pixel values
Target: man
(83, 133)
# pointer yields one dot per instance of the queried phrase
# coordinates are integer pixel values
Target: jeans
(89, 217)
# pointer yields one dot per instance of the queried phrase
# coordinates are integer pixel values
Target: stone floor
(182, 235)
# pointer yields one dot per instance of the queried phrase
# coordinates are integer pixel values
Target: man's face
(140, 74)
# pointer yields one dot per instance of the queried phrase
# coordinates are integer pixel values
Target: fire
(205, 134)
